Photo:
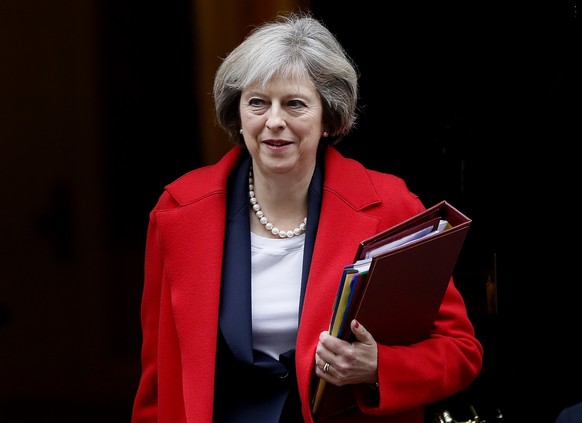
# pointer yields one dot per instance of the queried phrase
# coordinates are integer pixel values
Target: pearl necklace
(263, 219)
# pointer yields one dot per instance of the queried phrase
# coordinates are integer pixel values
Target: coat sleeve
(145, 403)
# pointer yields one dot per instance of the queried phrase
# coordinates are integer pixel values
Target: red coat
(182, 289)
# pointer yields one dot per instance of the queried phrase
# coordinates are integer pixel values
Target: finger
(320, 362)
(362, 335)
(329, 344)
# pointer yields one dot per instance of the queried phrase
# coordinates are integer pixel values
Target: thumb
(360, 332)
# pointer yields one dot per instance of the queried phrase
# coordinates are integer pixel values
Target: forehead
(288, 84)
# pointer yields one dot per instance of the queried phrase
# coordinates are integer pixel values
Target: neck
(277, 214)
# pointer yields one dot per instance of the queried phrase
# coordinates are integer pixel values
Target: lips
(277, 143)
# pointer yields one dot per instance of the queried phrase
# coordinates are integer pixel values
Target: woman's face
(282, 125)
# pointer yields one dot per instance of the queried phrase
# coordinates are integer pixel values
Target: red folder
(398, 298)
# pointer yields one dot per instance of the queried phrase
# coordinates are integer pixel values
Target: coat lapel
(341, 202)
(235, 304)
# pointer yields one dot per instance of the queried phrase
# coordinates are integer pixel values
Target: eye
(256, 102)
(296, 104)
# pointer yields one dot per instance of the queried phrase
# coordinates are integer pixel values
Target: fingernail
(357, 325)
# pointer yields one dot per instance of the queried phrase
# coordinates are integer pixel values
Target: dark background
(477, 103)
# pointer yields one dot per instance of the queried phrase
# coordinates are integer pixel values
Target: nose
(275, 119)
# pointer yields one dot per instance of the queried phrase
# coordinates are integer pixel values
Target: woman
(244, 257)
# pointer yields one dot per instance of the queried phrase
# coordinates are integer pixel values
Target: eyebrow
(285, 95)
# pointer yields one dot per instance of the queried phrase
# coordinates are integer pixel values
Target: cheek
(250, 140)
(252, 124)
(312, 132)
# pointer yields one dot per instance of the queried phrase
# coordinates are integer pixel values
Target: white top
(276, 289)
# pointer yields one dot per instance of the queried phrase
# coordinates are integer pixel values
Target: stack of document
(394, 288)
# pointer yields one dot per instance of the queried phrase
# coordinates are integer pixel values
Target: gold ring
(326, 367)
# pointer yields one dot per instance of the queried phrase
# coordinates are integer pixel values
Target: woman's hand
(341, 363)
